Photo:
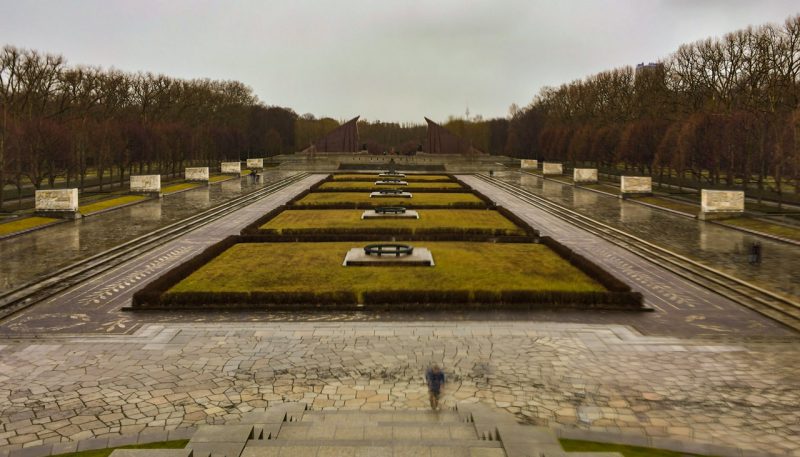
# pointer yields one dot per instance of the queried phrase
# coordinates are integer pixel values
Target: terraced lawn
(375, 177)
(179, 187)
(316, 220)
(418, 199)
(346, 185)
(317, 267)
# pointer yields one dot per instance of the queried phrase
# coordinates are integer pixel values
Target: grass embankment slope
(430, 219)
(417, 199)
(7, 228)
(292, 267)
(345, 185)
(110, 203)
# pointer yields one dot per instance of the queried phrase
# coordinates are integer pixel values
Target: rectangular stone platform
(635, 185)
(146, 184)
(392, 175)
(196, 174)
(61, 203)
(230, 168)
(371, 214)
(421, 257)
(391, 183)
(552, 168)
(528, 164)
(584, 175)
(255, 163)
(400, 195)
(720, 204)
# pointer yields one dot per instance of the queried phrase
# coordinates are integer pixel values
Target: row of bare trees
(73, 123)
(721, 110)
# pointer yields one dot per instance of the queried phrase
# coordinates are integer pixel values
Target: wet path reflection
(719, 247)
(27, 257)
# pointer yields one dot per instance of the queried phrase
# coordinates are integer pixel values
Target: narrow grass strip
(177, 444)
(27, 223)
(110, 203)
(179, 187)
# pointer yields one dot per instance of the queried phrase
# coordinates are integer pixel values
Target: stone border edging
(670, 444)
(143, 437)
(756, 232)
(106, 210)
(662, 208)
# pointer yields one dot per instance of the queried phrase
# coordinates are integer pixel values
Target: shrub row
(427, 190)
(384, 166)
(333, 236)
(409, 205)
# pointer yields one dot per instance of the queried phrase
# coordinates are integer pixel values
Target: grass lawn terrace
(375, 177)
(372, 186)
(317, 267)
(110, 203)
(27, 223)
(311, 220)
(417, 199)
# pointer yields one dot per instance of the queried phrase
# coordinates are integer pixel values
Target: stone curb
(673, 211)
(144, 437)
(756, 232)
(670, 444)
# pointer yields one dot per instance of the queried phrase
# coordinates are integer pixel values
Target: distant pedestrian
(755, 253)
(435, 379)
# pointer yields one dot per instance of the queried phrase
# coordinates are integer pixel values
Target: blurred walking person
(435, 379)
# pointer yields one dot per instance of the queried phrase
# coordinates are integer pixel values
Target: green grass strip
(27, 223)
(179, 187)
(221, 178)
(177, 444)
(300, 267)
(418, 199)
(371, 185)
(626, 451)
(110, 203)
(792, 233)
(437, 219)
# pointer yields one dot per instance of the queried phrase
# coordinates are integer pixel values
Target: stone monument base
(371, 214)
(421, 257)
(718, 215)
(400, 195)
(71, 215)
(391, 183)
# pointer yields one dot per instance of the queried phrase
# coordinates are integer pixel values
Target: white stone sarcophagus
(255, 163)
(197, 174)
(552, 168)
(57, 203)
(635, 185)
(529, 164)
(146, 184)
(720, 204)
(231, 168)
(584, 175)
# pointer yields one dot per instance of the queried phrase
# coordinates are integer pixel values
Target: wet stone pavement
(599, 377)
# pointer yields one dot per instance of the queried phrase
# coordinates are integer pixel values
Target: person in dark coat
(435, 379)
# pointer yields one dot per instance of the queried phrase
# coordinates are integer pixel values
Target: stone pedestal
(197, 174)
(231, 168)
(421, 257)
(372, 214)
(584, 175)
(720, 204)
(552, 168)
(391, 183)
(61, 203)
(146, 184)
(255, 163)
(635, 186)
(397, 195)
(529, 164)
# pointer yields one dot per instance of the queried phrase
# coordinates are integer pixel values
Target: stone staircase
(470, 430)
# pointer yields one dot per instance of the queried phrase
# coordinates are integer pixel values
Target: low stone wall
(197, 174)
(255, 163)
(529, 164)
(720, 204)
(588, 175)
(636, 185)
(231, 167)
(57, 202)
(552, 168)
(147, 184)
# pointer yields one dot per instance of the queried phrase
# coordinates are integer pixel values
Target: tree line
(721, 110)
(71, 122)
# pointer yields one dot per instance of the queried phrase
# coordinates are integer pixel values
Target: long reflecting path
(27, 257)
(714, 245)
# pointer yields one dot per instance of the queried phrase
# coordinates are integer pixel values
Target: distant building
(652, 66)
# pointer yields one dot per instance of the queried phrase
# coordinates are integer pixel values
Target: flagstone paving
(599, 377)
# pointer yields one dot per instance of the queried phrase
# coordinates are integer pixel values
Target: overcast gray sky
(382, 59)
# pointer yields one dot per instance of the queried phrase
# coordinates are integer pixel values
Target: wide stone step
(377, 430)
(363, 418)
(377, 448)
